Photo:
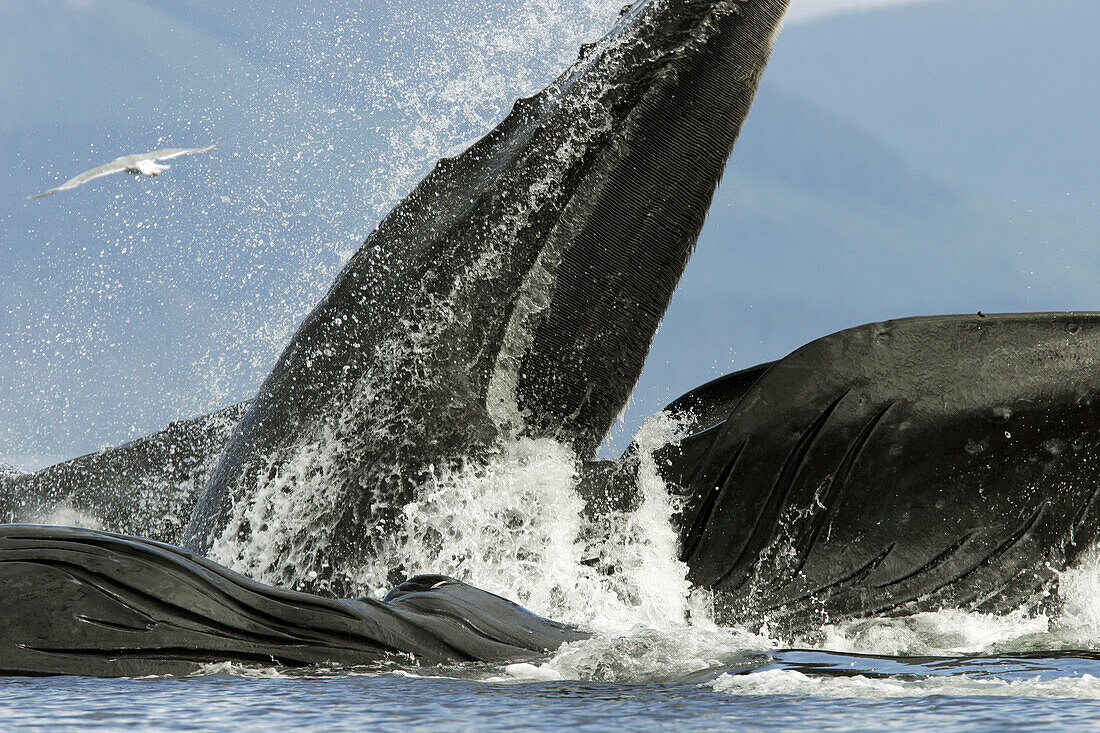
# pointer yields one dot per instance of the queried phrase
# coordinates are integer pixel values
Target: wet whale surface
(82, 602)
(897, 467)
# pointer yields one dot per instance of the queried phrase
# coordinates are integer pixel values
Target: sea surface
(783, 690)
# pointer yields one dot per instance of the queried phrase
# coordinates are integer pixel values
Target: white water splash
(647, 655)
(1076, 625)
(234, 669)
(518, 528)
(942, 633)
(1079, 588)
(65, 515)
(288, 515)
(793, 682)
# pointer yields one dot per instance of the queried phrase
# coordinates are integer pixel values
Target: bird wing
(116, 165)
(169, 153)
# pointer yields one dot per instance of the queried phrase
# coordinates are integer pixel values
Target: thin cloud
(810, 9)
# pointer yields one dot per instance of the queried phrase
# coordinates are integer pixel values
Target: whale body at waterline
(82, 602)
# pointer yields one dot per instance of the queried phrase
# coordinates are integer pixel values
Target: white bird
(144, 163)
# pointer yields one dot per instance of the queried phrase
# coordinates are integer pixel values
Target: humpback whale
(83, 602)
(146, 487)
(918, 464)
(515, 291)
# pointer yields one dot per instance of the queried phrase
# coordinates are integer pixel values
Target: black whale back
(904, 466)
(146, 487)
(516, 289)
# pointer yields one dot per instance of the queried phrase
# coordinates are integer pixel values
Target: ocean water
(779, 690)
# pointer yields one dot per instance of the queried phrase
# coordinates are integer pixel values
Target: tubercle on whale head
(541, 259)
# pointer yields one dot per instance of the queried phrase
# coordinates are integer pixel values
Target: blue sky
(926, 158)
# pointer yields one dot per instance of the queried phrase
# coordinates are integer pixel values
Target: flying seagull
(144, 163)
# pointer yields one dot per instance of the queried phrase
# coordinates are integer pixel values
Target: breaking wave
(793, 682)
